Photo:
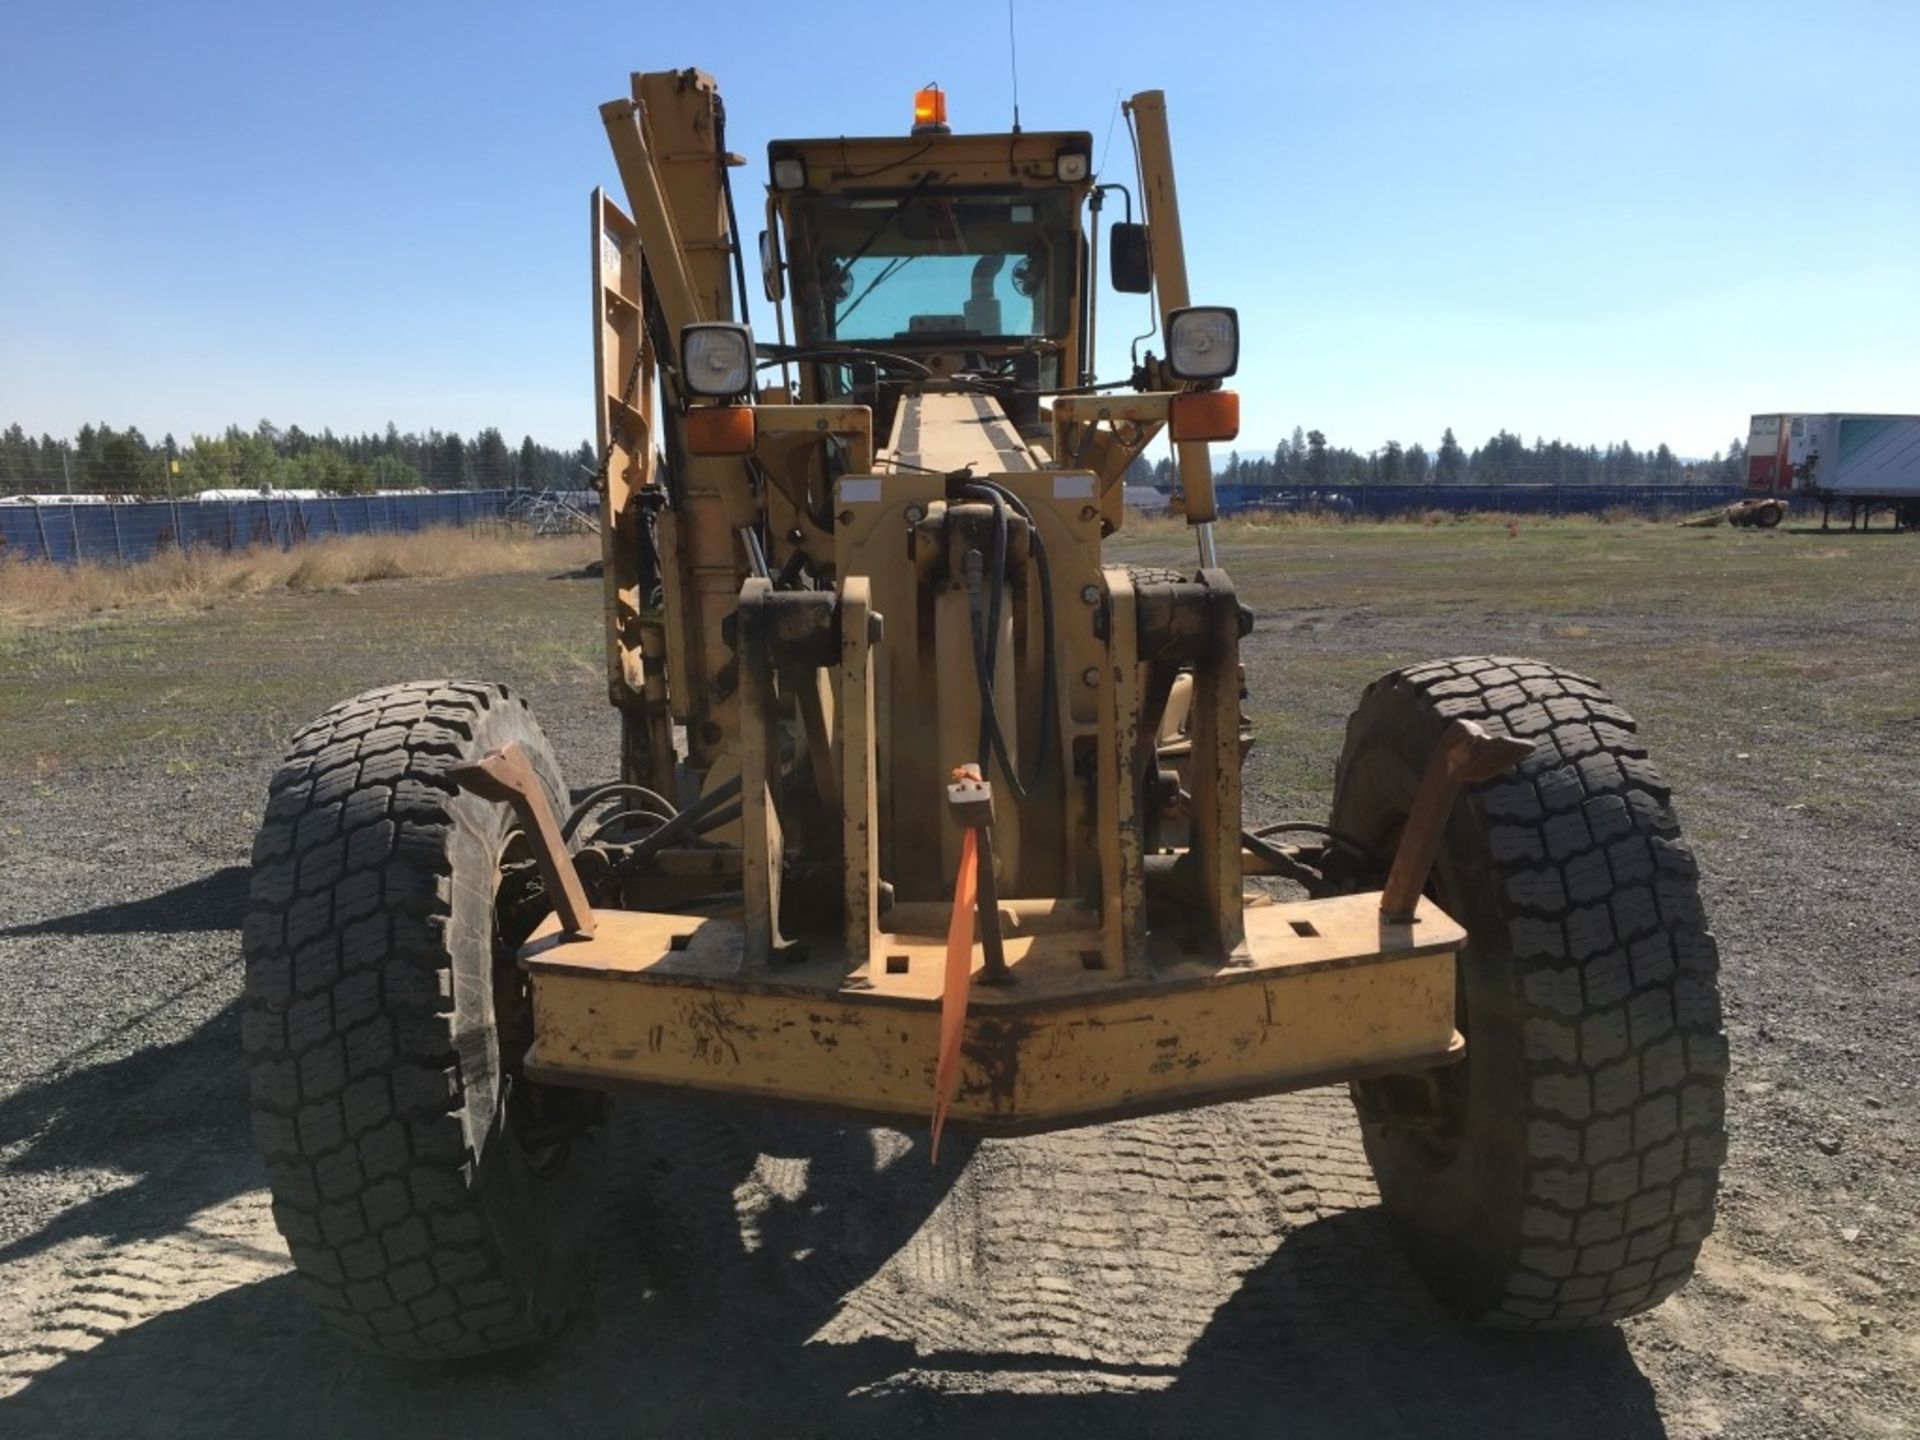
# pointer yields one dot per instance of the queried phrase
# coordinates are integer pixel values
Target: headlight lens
(1203, 342)
(716, 360)
(789, 173)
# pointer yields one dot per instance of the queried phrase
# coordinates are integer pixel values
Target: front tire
(431, 1204)
(1565, 1172)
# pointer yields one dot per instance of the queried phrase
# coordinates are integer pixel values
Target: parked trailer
(1767, 470)
(1867, 462)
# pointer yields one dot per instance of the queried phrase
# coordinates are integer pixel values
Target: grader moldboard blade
(838, 569)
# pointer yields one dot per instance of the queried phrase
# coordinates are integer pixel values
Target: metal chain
(618, 429)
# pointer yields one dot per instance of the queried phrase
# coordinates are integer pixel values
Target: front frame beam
(1330, 992)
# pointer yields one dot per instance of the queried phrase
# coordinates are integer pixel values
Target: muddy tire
(423, 1216)
(1565, 1172)
(1770, 516)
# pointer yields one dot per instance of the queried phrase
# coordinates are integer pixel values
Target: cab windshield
(923, 267)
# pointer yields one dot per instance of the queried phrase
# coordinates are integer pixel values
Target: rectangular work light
(1203, 342)
(716, 359)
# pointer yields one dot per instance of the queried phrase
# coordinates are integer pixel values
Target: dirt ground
(1225, 1269)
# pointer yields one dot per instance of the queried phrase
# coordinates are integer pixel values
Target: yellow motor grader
(929, 814)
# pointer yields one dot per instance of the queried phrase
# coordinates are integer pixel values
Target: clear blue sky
(1592, 221)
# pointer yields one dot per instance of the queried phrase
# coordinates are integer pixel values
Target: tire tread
(1615, 979)
(349, 1034)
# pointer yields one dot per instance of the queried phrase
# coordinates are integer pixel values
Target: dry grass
(1257, 522)
(197, 579)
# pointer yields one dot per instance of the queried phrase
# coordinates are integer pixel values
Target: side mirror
(1129, 261)
(771, 278)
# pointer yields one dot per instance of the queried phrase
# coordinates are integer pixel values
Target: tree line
(103, 460)
(1305, 458)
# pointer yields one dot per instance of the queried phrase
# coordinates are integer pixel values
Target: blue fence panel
(1388, 500)
(140, 530)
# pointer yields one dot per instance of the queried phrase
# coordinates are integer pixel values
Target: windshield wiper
(887, 272)
(873, 237)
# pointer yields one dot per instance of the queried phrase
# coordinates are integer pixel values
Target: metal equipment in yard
(554, 512)
(928, 811)
(1755, 513)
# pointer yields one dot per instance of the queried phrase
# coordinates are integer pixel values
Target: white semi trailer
(1866, 462)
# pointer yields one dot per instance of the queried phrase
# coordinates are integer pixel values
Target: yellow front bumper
(1330, 992)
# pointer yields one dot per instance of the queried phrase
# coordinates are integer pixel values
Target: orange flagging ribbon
(953, 993)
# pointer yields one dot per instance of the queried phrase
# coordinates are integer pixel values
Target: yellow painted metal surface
(659, 999)
(943, 433)
(1162, 202)
(852, 424)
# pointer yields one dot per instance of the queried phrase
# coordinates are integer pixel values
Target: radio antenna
(1013, 61)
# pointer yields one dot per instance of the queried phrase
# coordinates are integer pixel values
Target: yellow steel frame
(1331, 992)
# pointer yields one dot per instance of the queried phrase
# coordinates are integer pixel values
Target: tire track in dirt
(773, 1274)
(69, 1299)
(1105, 1251)
(1084, 1260)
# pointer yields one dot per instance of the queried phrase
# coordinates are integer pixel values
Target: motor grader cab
(928, 813)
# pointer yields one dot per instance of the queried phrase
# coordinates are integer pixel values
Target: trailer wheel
(1769, 516)
(435, 1202)
(1564, 1173)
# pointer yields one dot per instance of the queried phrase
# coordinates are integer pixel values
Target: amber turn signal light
(1204, 415)
(720, 430)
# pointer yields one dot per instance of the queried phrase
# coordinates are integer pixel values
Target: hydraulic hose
(993, 743)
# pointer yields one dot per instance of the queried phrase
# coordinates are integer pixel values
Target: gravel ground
(781, 1276)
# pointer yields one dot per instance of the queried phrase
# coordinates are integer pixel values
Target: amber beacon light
(930, 111)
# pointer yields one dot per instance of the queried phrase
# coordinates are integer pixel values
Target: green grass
(185, 689)
(1570, 568)
(1798, 651)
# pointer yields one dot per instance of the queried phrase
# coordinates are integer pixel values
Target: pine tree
(1316, 457)
(1450, 466)
(450, 464)
(1389, 469)
(15, 461)
(1733, 470)
(50, 470)
(492, 461)
(1282, 464)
